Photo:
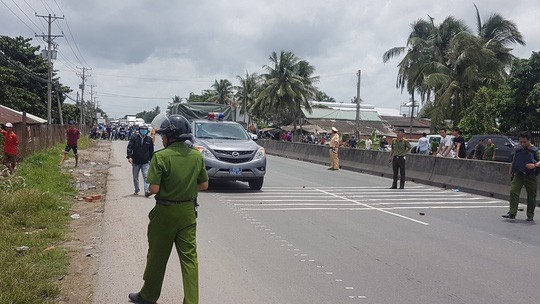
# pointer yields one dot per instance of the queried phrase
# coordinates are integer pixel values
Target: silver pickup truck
(229, 152)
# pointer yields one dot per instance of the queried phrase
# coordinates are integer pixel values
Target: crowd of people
(116, 132)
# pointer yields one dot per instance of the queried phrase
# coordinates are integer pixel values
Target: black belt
(168, 202)
(399, 156)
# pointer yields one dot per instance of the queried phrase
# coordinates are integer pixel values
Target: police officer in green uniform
(175, 176)
(400, 148)
(524, 170)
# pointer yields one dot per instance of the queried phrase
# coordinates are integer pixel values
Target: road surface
(317, 236)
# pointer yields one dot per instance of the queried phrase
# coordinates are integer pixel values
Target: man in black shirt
(139, 153)
(459, 144)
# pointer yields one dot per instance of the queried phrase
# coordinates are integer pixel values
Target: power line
(47, 7)
(9, 8)
(22, 68)
(68, 63)
(150, 78)
(35, 12)
(105, 95)
(25, 13)
(71, 34)
(69, 44)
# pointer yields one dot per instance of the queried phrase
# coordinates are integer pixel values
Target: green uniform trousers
(530, 183)
(174, 224)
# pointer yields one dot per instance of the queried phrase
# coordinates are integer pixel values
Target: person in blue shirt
(524, 170)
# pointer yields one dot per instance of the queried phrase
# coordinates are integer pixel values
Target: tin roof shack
(322, 120)
(16, 117)
(419, 126)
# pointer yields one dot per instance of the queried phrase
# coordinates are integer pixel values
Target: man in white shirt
(445, 146)
(423, 144)
(368, 144)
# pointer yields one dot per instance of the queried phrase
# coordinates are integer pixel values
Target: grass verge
(34, 212)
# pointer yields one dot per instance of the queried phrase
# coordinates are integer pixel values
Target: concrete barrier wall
(480, 177)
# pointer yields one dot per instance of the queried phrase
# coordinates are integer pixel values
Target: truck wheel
(256, 184)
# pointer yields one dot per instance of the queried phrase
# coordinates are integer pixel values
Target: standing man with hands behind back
(139, 153)
(334, 149)
(400, 148)
(177, 173)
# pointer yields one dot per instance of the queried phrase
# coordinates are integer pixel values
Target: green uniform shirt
(400, 147)
(488, 153)
(177, 170)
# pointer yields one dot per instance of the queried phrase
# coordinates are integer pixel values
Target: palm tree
(246, 92)
(498, 33)
(223, 91)
(288, 85)
(449, 62)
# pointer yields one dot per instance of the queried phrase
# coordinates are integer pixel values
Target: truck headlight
(260, 154)
(205, 152)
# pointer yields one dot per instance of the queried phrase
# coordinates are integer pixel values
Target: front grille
(234, 160)
(240, 153)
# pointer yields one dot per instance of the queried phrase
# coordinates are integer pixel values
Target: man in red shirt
(10, 148)
(73, 135)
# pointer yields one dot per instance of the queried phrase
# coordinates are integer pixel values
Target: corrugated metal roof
(348, 127)
(341, 114)
(14, 117)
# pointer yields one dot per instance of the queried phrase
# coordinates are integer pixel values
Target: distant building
(343, 117)
(419, 126)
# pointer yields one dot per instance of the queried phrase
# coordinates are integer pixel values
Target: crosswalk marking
(360, 198)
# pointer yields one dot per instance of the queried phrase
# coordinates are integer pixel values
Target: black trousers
(398, 164)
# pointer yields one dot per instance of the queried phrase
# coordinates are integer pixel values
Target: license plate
(235, 171)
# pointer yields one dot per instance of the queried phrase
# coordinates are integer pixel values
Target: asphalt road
(317, 236)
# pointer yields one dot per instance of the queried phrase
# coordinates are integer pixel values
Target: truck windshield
(220, 131)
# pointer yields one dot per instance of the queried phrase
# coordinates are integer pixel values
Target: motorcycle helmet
(173, 126)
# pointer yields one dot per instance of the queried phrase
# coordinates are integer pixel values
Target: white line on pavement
(375, 208)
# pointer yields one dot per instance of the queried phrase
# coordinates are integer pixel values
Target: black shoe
(530, 219)
(147, 194)
(509, 216)
(401, 187)
(392, 187)
(136, 298)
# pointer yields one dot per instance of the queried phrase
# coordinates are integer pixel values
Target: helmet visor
(161, 122)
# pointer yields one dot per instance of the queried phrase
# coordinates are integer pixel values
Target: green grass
(34, 213)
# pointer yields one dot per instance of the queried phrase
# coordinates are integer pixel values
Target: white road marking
(375, 208)
(370, 208)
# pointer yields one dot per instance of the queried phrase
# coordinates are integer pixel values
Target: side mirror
(254, 137)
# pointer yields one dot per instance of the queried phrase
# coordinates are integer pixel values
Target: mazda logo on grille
(235, 154)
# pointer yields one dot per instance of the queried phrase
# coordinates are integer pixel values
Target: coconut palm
(223, 91)
(287, 86)
(246, 92)
(498, 34)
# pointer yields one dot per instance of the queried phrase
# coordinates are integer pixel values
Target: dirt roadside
(84, 238)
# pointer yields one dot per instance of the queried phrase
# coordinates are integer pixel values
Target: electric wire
(35, 12)
(71, 34)
(47, 7)
(37, 26)
(69, 44)
(108, 95)
(9, 8)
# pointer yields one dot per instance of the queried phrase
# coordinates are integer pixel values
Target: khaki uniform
(177, 170)
(334, 147)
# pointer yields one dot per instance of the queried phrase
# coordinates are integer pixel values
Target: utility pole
(49, 39)
(84, 76)
(357, 125)
(92, 102)
(80, 108)
(59, 105)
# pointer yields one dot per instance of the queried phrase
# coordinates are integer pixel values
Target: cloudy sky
(142, 53)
